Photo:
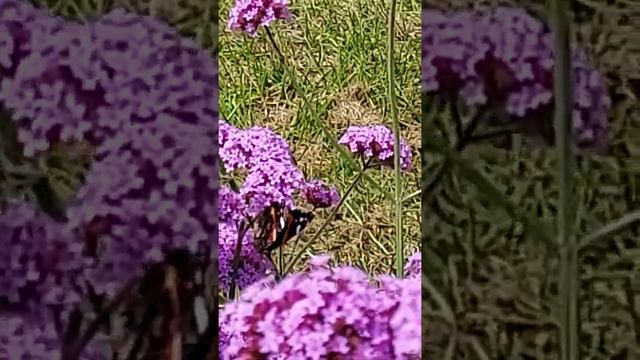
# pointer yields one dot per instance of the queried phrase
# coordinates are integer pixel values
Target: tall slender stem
(352, 186)
(396, 142)
(464, 137)
(569, 281)
(242, 230)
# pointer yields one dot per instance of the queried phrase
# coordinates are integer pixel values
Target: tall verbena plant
(504, 72)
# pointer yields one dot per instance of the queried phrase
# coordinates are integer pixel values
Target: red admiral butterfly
(277, 224)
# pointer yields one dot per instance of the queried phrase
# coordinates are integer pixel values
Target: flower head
(41, 258)
(253, 265)
(231, 207)
(32, 335)
(143, 97)
(503, 59)
(413, 267)
(272, 175)
(23, 29)
(249, 15)
(322, 314)
(252, 148)
(376, 142)
(320, 194)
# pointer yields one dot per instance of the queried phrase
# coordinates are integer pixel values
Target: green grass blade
(610, 229)
(399, 250)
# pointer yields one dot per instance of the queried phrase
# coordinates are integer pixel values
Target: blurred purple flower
(90, 81)
(25, 336)
(249, 15)
(23, 28)
(253, 265)
(41, 258)
(143, 97)
(503, 59)
(413, 267)
(376, 141)
(325, 313)
(320, 195)
(146, 100)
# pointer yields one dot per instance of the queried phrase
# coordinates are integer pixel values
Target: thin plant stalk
(74, 349)
(242, 230)
(464, 138)
(569, 281)
(298, 255)
(396, 141)
(332, 140)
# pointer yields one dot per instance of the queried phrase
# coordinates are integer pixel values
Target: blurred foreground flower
(502, 59)
(29, 337)
(324, 313)
(143, 97)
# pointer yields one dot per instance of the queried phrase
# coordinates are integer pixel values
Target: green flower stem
(72, 347)
(298, 255)
(464, 139)
(569, 280)
(332, 140)
(396, 141)
(242, 230)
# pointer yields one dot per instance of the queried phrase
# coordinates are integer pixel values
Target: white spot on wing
(200, 313)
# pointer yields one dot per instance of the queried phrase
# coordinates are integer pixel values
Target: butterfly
(277, 224)
(165, 314)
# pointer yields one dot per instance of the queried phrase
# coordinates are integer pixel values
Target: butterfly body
(277, 224)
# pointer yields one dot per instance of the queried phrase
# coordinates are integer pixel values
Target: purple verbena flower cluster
(413, 267)
(253, 265)
(320, 194)
(40, 257)
(249, 15)
(144, 98)
(271, 176)
(271, 172)
(22, 29)
(376, 142)
(324, 313)
(503, 58)
(24, 336)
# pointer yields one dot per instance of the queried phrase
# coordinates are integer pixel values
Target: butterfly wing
(290, 224)
(277, 224)
(269, 224)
